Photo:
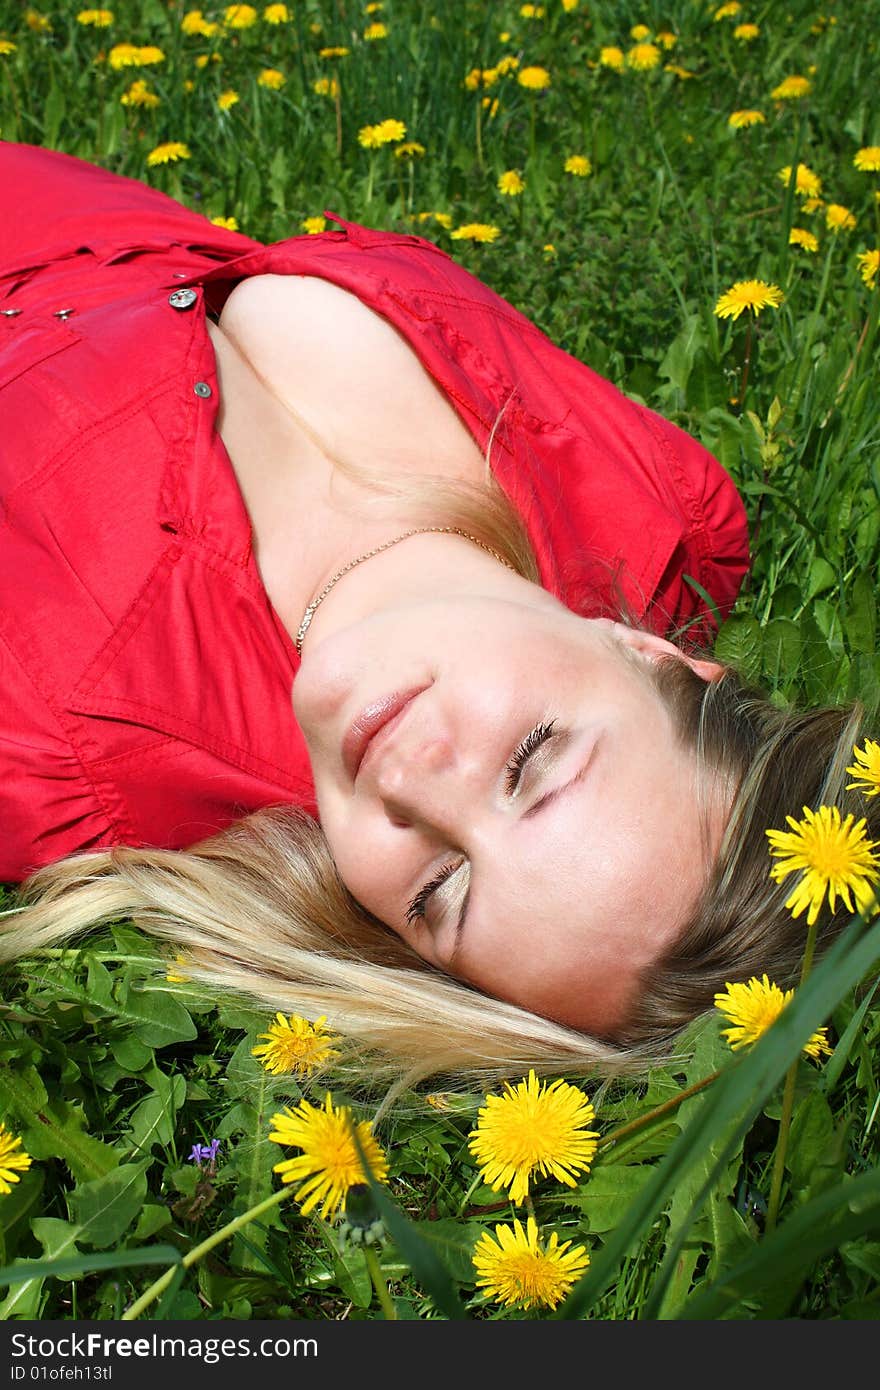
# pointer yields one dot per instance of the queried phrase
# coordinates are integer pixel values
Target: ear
(649, 645)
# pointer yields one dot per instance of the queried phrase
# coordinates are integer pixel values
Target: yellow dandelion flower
(533, 1128)
(509, 63)
(168, 153)
(230, 223)
(194, 23)
(329, 1164)
(511, 183)
(549, 250)
(727, 11)
(39, 23)
(838, 218)
(755, 295)
(642, 57)
(813, 204)
(99, 19)
(746, 33)
(514, 1268)
(666, 39)
(204, 59)
(373, 136)
(869, 266)
(791, 88)
(124, 55)
(640, 32)
(476, 231)
(339, 51)
(239, 16)
(807, 241)
(532, 11)
(13, 1159)
(491, 105)
(411, 149)
(682, 73)
(391, 129)
(833, 856)
(739, 120)
(7, 46)
(189, 85)
(579, 165)
(534, 79)
(139, 94)
(313, 225)
(443, 218)
(326, 87)
(149, 55)
(806, 183)
(375, 31)
(612, 57)
(294, 1044)
(228, 99)
(276, 14)
(271, 78)
(569, 5)
(374, 7)
(868, 159)
(176, 972)
(866, 769)
(753, 1008)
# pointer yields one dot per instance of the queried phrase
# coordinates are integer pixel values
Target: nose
(424, 784)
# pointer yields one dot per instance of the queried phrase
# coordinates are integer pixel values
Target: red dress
(145, 677)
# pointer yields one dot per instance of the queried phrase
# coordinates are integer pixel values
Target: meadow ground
(685, 196)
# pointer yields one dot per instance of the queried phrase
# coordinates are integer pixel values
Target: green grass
(109, 1072)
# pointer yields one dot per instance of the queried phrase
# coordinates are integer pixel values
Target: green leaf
(53, 1129)
(781, 650)
(106, 1207)
(154, 1120)
(158, 1016)
(72, 1266)
(453, 1242)
(707, 386)
(860, 616)
(815, 1150)
(605, 1195)
(739, 644)
(849, 1211)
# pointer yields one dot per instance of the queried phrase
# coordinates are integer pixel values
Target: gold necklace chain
(377, 550)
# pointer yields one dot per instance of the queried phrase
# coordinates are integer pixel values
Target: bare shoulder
(347, 371)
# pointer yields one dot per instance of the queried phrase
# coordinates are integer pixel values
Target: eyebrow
(540, 805)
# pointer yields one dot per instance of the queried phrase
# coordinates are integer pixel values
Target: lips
(371, 721)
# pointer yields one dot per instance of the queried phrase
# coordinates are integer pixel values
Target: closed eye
(530, 744)
(416, 910)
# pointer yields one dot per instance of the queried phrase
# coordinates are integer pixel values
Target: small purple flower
(204, 1153)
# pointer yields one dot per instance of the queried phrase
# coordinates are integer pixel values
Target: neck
(414, 566)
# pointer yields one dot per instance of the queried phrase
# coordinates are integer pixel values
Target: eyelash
(532, 741)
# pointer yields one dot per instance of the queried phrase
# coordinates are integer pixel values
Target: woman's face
(527, 819)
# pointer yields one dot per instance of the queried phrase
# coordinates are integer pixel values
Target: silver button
(182, 299)
(179, 274)
(10, 313)
(202, 388)
(63, 313)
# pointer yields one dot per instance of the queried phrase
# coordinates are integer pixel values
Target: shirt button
(10, 313)
(182, 299)
(202, 388)
(63, 313)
